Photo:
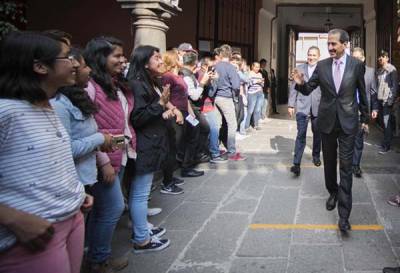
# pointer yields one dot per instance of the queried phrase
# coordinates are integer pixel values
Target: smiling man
(339, 77)
(306, 108)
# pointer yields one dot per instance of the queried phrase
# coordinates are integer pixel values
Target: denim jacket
(84, 137)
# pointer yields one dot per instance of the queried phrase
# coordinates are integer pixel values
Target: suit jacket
(370, 88)
(304, 104)
(342, 105)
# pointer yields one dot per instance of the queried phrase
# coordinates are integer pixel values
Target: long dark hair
(96, 52)
(137, 67)
(76, 94)
(18, 53)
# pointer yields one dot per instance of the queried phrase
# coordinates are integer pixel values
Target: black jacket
(151, 129)
(343, 104)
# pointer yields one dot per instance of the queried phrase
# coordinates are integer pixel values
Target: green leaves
(11, 14)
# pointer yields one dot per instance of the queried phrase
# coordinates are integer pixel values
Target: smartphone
(211, 68)
(118, 140)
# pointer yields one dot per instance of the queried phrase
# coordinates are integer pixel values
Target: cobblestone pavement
(210, 224)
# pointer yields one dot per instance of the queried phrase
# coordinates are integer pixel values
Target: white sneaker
(153, 211)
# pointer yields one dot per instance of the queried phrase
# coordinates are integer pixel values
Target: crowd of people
(85, 130)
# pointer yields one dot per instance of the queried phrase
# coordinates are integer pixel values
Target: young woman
(41, 226)
(152, 109)
(255, 96)
(75, 110)
(114, 101)
(186, 135)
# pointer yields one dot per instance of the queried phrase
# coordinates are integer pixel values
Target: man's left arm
(374, 95)
(395, 84)
(363, 104)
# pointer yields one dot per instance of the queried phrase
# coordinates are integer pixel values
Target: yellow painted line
(314, 227)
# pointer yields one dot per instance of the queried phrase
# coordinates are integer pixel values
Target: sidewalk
(212, 225)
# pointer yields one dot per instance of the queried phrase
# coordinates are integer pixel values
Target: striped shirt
(256, 83)
(37, 172)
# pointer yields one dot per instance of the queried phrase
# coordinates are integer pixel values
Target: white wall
(264, 34)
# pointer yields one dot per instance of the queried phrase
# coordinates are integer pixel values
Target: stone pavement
(209, 225)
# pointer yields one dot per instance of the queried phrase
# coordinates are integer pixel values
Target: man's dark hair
(189, 58)
(343, 35)
(383, 53)
(263, 61)
(226, 51)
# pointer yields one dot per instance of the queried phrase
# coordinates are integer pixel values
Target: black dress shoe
(295, 169)
(191, 173)
(357, 171)
(331, 202)
(344, 225)
(391, 270)
(317, 162)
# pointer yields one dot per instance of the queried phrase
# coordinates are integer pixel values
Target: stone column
(150, 19)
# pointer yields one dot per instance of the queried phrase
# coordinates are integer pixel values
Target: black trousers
(171, 164)
(186, 137)
(202, 144)
(273, 99)
(330, 143)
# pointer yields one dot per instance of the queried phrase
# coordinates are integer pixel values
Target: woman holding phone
(114, 103)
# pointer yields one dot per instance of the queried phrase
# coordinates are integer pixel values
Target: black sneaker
(357, 171)
(295, 169)
(173, 189)
(155, 244)
(177, 181)
(218, 160)
(157, 231)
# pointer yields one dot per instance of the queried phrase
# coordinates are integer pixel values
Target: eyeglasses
(69, 57)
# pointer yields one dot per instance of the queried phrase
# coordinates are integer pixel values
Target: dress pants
(204, 127)
(358, 147)
(329, 149)
(302, 124)
(186, 137)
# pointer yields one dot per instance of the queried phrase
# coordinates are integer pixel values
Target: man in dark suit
(339, 77)
(371, 92)
(306, 108)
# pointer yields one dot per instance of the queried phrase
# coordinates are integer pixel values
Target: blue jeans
(107, 209)
(138, 204)
(255, 102)
(242, 129)
(302, 124)
(214, 121)
(387, 123)
(358, 147)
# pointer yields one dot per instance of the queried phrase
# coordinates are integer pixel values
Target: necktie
(337, 75)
